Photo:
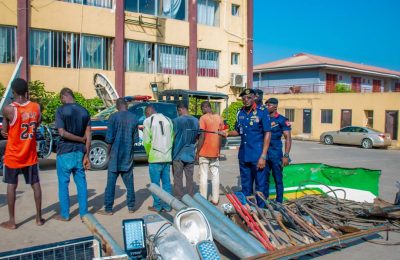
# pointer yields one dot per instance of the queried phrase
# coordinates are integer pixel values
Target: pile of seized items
(280, 231)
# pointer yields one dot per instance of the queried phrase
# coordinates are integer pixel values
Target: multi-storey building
(177, 44)
(322, 94)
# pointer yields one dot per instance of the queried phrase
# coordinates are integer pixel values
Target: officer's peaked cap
(247, 91)
(272, 101)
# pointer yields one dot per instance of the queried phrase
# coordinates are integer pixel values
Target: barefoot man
(20, 121)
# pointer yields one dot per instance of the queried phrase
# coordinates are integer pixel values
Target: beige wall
(357, 102)
(8, 12)
(229, 36)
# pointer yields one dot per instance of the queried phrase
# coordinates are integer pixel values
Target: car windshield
(106, 113)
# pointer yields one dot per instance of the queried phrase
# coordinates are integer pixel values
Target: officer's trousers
(249, 174)
(275, 165)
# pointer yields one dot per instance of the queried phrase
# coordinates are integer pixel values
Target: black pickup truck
(98, 154)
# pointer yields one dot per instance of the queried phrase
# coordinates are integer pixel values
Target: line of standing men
(164, 141)
(21, 120)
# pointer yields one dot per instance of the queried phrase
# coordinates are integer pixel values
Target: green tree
(233, 108)
(342, 88)
(2, 89)
(92, 105)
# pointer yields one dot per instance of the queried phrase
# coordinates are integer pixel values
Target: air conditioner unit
(238, 80)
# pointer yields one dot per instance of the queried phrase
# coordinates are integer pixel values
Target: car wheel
(98, 155)
(3, 144)
(328, 140)
(366, 144)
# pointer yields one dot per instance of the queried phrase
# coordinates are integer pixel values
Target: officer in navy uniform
(258, 97)
(280, 125)
(254, 127)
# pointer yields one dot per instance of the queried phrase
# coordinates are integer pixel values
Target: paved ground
(28, 234)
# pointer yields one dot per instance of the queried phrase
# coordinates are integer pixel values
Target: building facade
(306, 73)
(320, 94)
(175, 44)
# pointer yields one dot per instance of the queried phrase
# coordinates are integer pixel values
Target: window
(65, 50)
(346, 129)
(141, 6)
(234, 58)
(39, 51)
(70, 50)
(174, 9)
(208, 12)
(207, 63)
(172, 60)
(235, 10)
(326, 116)
(369, 118)
(7, 44)
(97, 52)
(289, 113)
(140, 57)
(98, 3)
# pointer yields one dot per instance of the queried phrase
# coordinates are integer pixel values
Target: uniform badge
(257, 119)
(251, 122)
(287, 123)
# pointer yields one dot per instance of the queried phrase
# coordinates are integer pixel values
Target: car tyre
(328, 140)
(366, 143)
(98, 155)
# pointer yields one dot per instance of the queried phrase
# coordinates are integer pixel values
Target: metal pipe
(221, 234)
(111, 246)
(166, 197)
(246, 238)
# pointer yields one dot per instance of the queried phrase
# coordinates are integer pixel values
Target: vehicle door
(344, 135)
(357, 135)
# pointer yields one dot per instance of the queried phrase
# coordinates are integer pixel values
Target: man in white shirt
(157, 140)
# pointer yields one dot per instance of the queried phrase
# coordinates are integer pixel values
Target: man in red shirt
(20, 121)
(208, 149)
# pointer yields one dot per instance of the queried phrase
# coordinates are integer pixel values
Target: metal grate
(79, 249)
(207, 250)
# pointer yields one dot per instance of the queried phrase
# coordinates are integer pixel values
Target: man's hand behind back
(86, 162)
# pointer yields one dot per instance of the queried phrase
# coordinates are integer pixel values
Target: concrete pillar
(250, 40)
(23, 36)
(119, 47)
(192, 61)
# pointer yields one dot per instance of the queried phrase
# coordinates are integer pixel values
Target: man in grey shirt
(183, 152)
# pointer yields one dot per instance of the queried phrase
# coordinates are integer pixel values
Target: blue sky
(359, 31)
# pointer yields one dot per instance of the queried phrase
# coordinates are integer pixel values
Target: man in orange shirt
(208, 148)
(20, 121)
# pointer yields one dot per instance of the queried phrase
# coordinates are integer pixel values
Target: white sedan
(355, 135)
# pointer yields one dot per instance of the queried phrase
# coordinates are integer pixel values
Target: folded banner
(358, 184)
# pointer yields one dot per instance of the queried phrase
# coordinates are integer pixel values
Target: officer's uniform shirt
(251, 128)
(279, 124)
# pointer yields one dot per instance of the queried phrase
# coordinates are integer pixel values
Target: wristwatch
(264, 156)
(286, 155)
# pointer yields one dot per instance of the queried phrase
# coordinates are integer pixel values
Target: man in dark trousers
(280, 125)
(122, 127)
(73, 124)
(254, 127)
(183, 152)
(20, 121)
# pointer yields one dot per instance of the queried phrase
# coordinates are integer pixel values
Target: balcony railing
(319, 88)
